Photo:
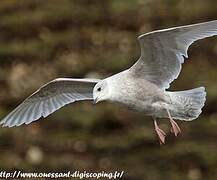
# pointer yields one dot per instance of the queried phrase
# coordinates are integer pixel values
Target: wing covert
(163, 51)
(49, 98)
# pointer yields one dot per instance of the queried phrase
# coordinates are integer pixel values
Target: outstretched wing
(163, 51)
(50, 98)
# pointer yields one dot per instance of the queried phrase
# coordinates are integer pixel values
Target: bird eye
(99, 89)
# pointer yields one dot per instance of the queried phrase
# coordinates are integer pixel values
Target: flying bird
(142, 87)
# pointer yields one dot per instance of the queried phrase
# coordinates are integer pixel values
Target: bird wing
(49, 98)
(163, 51)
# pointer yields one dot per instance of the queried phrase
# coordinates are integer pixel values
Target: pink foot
(160, 133)
(174, 126)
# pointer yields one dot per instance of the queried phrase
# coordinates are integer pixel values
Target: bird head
(101, 91)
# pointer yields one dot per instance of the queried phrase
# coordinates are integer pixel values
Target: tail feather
(187, 105)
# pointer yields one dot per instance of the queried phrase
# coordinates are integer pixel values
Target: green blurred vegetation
(41, 40)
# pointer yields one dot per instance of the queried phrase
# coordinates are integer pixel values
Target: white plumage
(141, 87)
(162, 51)
(49, 98)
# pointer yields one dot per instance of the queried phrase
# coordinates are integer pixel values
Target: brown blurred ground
(41, 40)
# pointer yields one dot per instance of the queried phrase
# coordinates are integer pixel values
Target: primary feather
(49, 98)
(163, 51)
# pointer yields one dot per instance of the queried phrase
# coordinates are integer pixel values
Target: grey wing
(50, 98)
(163, 51)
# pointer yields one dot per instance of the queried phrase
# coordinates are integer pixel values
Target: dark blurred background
(42, 40)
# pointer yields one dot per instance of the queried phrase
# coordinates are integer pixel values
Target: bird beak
(96, 100)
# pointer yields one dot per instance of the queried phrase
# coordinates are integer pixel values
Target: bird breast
(135, 93)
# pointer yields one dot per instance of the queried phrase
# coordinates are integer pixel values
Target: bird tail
(187, 105)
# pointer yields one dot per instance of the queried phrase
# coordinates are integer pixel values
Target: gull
(142, 87)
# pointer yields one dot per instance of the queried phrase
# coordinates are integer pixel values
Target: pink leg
(160, 133)
(174, 126)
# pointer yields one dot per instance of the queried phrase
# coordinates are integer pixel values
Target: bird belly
(140, 106)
